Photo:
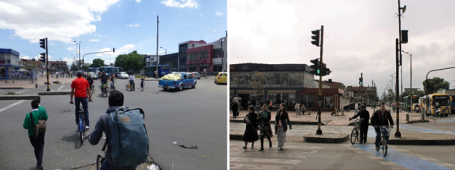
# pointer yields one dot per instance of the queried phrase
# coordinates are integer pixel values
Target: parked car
(123, 75)
(93, 75)
(196, 75)
(349, 107)
(221, 78)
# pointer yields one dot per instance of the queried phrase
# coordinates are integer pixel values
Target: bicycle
(100, 159)
(112, 86)
(355, 132)
(92, 88)
(104, 89)
(385, 132)
(81, 125)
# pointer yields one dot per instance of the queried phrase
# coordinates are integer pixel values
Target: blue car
(177, 81)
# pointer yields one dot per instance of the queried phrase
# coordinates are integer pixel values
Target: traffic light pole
(319, 131)
(398, 133)
(47, 67)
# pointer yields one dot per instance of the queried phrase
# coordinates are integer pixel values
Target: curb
(417, 121)
(18, 97)
(421, 142)
(11, 88)
(292, 122)
(326, 138)
(54, 93)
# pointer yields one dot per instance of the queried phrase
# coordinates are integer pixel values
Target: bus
(407, 104)
(109, 69)
(442, 99)
(92, 69)
(162, 70)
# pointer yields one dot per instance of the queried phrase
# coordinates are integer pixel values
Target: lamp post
(79, 62)
(398, 42)
(410, 59)
(165, 51)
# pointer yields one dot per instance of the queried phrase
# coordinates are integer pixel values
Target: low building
(171, 60)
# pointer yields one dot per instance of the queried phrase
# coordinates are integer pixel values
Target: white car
(123, 75)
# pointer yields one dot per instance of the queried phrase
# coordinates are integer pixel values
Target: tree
(73, 67)
(120, 60)
(97, 63)
(133, 61)
(434, 85)
(419, 93)
(258, 81)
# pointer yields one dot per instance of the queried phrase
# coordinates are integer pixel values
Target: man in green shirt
(36, 141)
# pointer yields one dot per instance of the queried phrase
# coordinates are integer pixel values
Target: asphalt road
(189, 117)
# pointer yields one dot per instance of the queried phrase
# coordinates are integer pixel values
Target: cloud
(218, 13)
(94, 40)
(58, 20)
(131, 25)
(138, 1)
(181, 3)
(51, 43)
(70, 49)
(25, 57)
(214, 30)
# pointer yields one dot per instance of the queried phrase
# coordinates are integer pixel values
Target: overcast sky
(359, 36)
(100, 25)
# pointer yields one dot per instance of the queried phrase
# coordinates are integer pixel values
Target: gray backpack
(129, 140)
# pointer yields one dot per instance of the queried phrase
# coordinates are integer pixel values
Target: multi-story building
(9, 62)
(58, 66)
(197, 55)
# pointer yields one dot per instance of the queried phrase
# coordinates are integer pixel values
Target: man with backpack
(37, 140)
(127, 147)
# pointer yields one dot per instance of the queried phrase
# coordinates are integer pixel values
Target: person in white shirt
(356, 106)
(205, 72)
(132, 77)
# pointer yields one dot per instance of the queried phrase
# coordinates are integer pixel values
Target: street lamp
(165, 52)
(79, 62)
(410, 55)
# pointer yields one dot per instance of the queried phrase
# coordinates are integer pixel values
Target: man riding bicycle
(364, 121)
(112, 79)
(90, 82)
(115, 101)
(80, 89)
(379, 119)
(103, 79)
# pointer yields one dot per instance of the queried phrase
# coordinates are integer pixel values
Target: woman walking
(282, 121)
(264, 126)
(250, 134)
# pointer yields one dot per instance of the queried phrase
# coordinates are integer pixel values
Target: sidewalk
(26, 84)
(328, 119)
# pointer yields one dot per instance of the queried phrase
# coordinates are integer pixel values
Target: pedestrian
(303, 109)
(235, 109)
(271, 105)
(56, 74)
(37, 141)
(356, 107)
(142, 84)
(251, 134)
(364, 122)
(132, 77)
(281, 122)
(380, 118)
(264, 126)
(297, 108)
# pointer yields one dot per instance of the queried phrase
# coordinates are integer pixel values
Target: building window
(328, 102)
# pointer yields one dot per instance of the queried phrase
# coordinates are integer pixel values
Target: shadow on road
(73, 138)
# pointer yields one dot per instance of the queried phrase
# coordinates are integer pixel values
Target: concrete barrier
(54, 93)
(18, 97)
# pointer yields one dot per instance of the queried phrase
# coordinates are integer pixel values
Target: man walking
(79, 89)
(132, 77)
(297, 108)
(37, 141)
(364, 121)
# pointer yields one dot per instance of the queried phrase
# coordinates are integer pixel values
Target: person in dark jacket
(380, 118)
(282, 121)
(264, 125)
(364, 122)
(251, 134)
(235, 108)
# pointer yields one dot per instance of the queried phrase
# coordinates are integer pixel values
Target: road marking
(11, 105)
(60, 87)
(21, 91)
(402, 159)
(264, 160)
(425, 129)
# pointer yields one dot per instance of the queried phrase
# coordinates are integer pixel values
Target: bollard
(423, 116)
(407, 117)
(36, 85)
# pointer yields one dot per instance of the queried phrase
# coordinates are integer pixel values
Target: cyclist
(115, 101)
(379, 119)
(112, 79)
(80, 89)
(364, 119)
(90, 82)
(103, 79)
(132, 77)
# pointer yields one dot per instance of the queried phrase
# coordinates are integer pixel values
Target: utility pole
(157, 34)
(397, 134)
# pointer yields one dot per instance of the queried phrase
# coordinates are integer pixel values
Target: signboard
(199, 55)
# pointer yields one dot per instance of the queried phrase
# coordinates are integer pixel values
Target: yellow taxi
(221, 78)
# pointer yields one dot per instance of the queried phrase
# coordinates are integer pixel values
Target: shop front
(199, 58)
(9, 63)
(331, 98)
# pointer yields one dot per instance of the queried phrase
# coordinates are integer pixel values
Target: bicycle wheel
(384, 147)
(99, 162)
(353, 136)
(358, 137)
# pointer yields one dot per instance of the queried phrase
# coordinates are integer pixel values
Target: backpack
(129, 142)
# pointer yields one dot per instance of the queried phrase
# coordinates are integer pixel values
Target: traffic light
(325, 71)
(113, 50)
(316, 67)
(42, 43)
(315, 37)
(42, 57)
(361, 81)
(404, 36)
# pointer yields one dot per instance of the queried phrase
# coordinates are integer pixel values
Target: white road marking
(22, 91)
(60, 87)
(11, 105)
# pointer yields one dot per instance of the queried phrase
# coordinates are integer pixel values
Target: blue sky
(100, 25)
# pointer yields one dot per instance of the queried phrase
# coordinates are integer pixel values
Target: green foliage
(258, 81)
(132, 61)
(419, 93)
(10, 93)
(434, 85)
(73, 67)
(97, 63)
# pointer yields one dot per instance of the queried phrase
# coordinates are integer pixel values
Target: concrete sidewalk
(27, 84)
(327, 119)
